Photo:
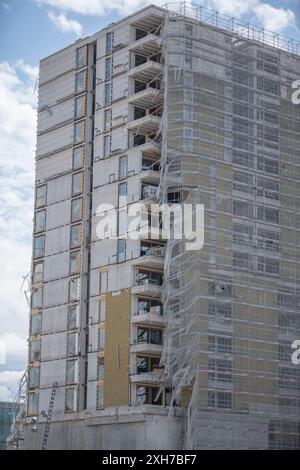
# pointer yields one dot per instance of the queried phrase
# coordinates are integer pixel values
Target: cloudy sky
(29, 31)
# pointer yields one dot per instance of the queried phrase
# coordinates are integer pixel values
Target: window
(35, 350)
(71, 370)
(101, 339)
(107, 95)
(288, 378)
(147, 364)
(220, 370)
(287, 298)
(109, 43)
(40, 221)
(79, 107)
(242, 234)
(149, 335)
(38, 272)
(123, 166)
(222, 400)
(80, 82)
(70, 399)
(122, 193)
(100, 395)
(72, 346)
(80, 57)
(75, 236)
(78, 155)
(33, 403)
(268, 214)
(243, 182)
(220, 288)
(267, 165)
(34, 377)
(79, 132)
(267, 188)
(148, 395)
(77, 183)
(242, 209)
(37, 297)
(36, 324)
(268, 265)
(268, 239)
(285, 352)
(108, 67)
(76, 210)
(74, 289)
(220, 344)
(106, 145)
(74, 262)
(107, 120)
(40, 196)
(73, 315)
(221, 313)
(242, 261)
(121, 250)
(100, 368)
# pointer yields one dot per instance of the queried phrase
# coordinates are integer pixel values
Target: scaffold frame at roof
(233, 25)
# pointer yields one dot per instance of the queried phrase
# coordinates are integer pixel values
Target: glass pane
(108, 68)
(40, 197)
(72, 316)
(37, 297)
(74, 262)
(38, 272)
(34, 377)
(70, 400)
(121, 250)
(106, 144)
(79, 107)
(100, 395)
(123, 167)
(71, 371)
(109, 38)
(100, 374)
(39, 246)
(80, 82)
(71, 344)
(107, 119)
(76, 210)
(40, 221)
(33, 402)
(78, 154)
(107, 97)
(74, 289)
(36, 324)
(79, 132)
(76, 183)
(75, 236)
(80, 57)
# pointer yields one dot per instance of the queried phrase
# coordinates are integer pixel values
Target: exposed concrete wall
(136, 428)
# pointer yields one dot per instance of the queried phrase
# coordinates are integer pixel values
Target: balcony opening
(146, 305)
(152, 249)
(147, 364)
(153, 278)
(139, 139)
(148, 396)
(149, 336)
(150, 164)
(138, 113)
(149, 190)
(140, 33)
(139, 59)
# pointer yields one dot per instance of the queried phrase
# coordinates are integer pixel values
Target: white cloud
(274, 19)
(98, 7)
(65, 25)
(270, 17)
(17, 147)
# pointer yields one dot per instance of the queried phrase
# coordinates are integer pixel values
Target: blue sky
(29, 31)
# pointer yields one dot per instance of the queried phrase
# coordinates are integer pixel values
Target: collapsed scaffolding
(229, 139)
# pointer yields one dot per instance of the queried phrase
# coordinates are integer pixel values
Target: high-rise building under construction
(141, 343)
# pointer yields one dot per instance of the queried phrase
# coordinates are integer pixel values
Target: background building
(6, 419)
(171, 106)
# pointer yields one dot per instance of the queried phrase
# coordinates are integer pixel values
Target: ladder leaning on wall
(49, 415)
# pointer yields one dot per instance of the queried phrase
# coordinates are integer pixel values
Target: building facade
(140, 341)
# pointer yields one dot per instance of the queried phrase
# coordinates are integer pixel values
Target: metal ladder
(49, 415)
